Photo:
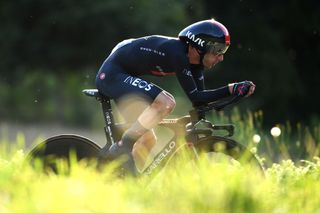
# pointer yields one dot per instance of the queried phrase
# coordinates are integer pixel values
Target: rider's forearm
(207, 96)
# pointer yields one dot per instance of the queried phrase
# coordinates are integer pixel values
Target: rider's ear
(192, 51)
(191, 48)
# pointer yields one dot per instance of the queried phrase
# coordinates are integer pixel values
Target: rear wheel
(229, 148)
(62, 147)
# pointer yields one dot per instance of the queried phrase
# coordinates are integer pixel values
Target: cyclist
(199, 47)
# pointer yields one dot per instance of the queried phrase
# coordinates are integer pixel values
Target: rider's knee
(164, 103)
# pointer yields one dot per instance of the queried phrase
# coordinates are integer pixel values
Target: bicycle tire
(60, 147)
(229, 147)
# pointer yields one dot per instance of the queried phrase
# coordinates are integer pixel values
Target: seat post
(107, 113)
(108, 118)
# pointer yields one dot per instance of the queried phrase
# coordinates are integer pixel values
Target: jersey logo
(187, 72)
(193, 37)
(152, 51)
(102, 76)
(137, 82)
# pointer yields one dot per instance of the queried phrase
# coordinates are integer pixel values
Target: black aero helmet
(207, 36)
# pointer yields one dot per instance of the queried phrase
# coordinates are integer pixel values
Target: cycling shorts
(113, 81)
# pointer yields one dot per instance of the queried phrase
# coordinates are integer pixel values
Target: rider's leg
(160, 108)
(163, 104)
(113, 81)
(142, 148)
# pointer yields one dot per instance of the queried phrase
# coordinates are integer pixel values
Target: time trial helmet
(207, 36)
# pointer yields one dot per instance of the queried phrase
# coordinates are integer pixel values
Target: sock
(133, 134)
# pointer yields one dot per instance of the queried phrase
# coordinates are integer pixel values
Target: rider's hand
(243, 88)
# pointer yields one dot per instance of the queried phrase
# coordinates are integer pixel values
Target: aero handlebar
(218, 105)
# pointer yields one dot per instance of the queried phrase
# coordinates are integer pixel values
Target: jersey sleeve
(198, 79)
(193, 86)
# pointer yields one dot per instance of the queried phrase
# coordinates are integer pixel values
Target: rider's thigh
(131, 106)
(132, 94)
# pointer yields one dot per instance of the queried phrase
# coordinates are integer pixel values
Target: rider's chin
(209, 67)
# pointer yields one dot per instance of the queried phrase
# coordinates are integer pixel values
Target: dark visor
(217, 48)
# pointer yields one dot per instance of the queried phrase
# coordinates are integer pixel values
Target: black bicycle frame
(114, 131)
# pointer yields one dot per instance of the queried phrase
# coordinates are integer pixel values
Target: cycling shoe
(116, 151)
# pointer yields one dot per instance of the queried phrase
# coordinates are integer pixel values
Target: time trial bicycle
(192, 132)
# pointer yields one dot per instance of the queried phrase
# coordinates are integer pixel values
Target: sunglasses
(217, 48)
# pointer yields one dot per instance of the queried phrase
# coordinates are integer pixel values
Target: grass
(289, 184)
(286, 187)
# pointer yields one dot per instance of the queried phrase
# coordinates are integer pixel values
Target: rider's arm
(199, 79)
(188, 83)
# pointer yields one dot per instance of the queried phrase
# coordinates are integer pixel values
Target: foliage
(70, 35)
(276, 45)
(289, 184)
(40, 98)
(296, 142)
(286, 187)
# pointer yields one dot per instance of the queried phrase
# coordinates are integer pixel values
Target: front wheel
(62, 147)
(228, 147)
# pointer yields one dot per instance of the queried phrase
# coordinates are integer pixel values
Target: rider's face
(211, 59)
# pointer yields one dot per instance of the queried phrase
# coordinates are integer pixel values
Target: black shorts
(114, 82)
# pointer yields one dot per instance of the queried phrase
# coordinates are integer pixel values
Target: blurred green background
(51, 49)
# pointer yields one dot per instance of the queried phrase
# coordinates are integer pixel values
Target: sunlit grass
(206, 187)
(281, 142)
(289, 184)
